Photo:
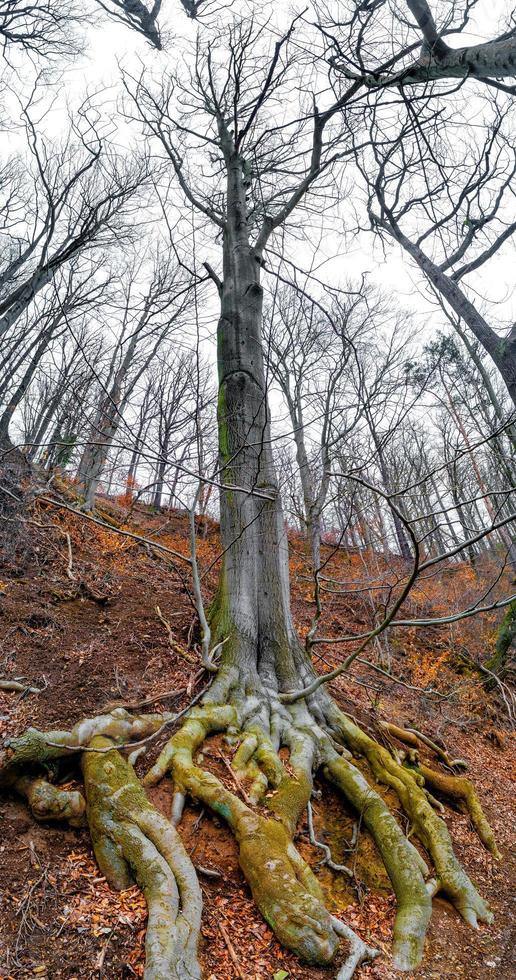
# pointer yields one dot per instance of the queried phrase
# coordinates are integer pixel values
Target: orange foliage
(126, 499)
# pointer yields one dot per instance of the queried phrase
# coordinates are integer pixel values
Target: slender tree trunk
(486, 380)
(252, 609)
(15, 304)
(20, 392)
(502, 350)
(136, 453)
(446, 516)
(96, 453)
(401, 535)
(471, 551)
(160, 478)
(312, 517)
(503, 533)
(435, 533)
(313, 502)
(35, 439)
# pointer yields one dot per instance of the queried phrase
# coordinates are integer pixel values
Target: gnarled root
(429, 828)
(402, 862)
(48, 802)
(283, 887)
(461, 789)
(35, 748)
(416, 739)
(129, 834)
(455, 787)
(359, 951)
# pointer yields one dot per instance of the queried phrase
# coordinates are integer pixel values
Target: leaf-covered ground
(94, 636)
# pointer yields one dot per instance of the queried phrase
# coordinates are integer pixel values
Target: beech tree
(54, 404)
(308, 357)
(80, 196)
(253, 153)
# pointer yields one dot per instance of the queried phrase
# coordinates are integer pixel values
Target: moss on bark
(129, 835)
(48, 802)
(283, 887)
(461, 789)
(430, 829)
(414, 906)
(501, 660)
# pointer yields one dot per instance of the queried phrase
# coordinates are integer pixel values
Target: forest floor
(96, 637)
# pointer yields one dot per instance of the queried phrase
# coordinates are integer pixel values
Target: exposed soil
(96, 638)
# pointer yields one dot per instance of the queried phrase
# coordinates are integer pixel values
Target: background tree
(146, 321)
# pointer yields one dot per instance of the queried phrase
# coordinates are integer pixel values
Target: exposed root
(283, 887)
(40, 748)
(19, 687)
(402, 862)
(414, 738)
(128, 834)
(48, 802)
(359, 951)
(430, 829)
(130, 837)
(455, 787)
(461, 789)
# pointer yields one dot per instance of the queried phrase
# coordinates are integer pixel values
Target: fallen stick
(231, 951)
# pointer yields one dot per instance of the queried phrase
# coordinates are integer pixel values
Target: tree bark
(492, 59)
(502, 350)
(253, 604)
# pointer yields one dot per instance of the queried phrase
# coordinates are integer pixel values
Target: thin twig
(231, 951)
(328, 860)
(235, 779)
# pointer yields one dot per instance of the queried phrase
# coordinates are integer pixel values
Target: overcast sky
(338, 257)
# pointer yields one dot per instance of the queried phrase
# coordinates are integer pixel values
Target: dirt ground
(91, 636)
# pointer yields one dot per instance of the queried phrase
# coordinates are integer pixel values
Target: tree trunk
(95, 455)
(256, 699)
(253, 604)
(312, 502)
(40, 429)
(503, 534)
(160, 478)
(18, 395)
(502, 350)
(445, 512)
(401, 535)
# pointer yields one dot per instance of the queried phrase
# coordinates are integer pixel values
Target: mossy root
(129, 835)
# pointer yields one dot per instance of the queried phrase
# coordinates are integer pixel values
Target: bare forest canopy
(257, 286)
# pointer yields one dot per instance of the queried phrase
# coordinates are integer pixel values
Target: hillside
(80, 624)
